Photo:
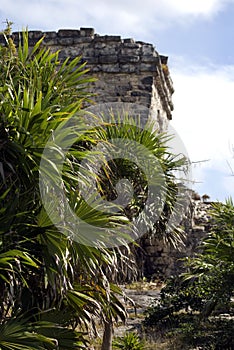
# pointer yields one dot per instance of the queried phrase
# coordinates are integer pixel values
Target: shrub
(188, 301)
(130, 341)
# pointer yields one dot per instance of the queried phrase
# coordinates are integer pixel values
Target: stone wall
(160, 260)
(126, 70)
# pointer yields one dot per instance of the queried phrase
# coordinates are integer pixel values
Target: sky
(197, 36)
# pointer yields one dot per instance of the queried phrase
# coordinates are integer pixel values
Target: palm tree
(45, 276)
(50, 282)
(143, 158)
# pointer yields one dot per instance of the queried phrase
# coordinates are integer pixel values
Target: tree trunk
(107, 335)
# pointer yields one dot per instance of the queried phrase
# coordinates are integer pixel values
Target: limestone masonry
(161, 260)
(126, 70)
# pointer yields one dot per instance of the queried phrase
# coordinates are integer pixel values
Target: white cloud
(126, 17)
(204, 119)
(195, 7)
(228, 185)
(204, 111)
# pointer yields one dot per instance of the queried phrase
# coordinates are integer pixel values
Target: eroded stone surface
(161, 260)
(126, 70)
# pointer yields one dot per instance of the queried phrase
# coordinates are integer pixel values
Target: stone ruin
(126, 70)
(163, 260)
(134, 72)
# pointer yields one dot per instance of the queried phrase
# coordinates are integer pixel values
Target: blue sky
(198, 37)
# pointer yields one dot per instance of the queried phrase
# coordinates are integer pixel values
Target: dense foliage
(130, 341)
(191, 303)
(50, 285)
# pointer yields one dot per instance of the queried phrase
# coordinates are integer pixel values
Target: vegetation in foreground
(51, 285)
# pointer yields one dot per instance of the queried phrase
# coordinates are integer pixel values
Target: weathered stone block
(96, 68)
(87, 32)
(109, 68)
(124, 51)
(99, 45)
(111, 98)
(108, 59)
(147, 49)
(65, 41)
(50, 35)
(150, 59)
(128, 68)
(35, 34)
(144, 101)
(122, 89)
(144, 67)
(128, 59)
(50, 42)
(82, 40)
(107, 50)
(91, 60)
(128, 41)
(68, 33)
(107, 38)
(131, 46)
(141, 93)
(147, 80)
(145, 87)
(129, 99)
